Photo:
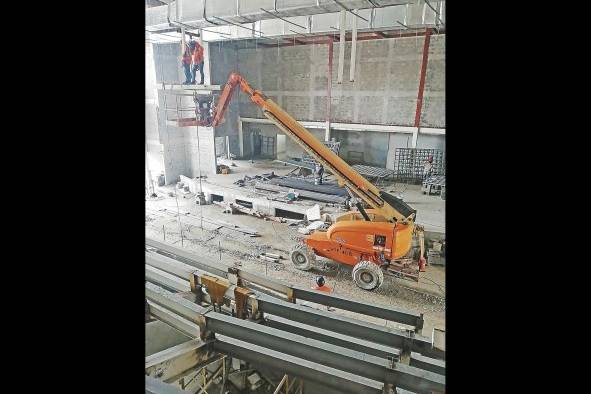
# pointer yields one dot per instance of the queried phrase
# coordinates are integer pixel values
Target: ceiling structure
(290, 22)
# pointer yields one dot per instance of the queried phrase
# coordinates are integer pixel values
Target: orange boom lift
(373, 241)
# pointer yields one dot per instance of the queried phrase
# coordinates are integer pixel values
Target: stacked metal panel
(410, 164)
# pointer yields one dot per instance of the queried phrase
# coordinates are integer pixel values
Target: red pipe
(422, 77)
(329, 84)
(363, 36)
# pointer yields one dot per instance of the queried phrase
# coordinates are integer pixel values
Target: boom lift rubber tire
(302, 257)
(367, 275)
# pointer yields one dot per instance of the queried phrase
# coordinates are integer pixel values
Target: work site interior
(309, 110)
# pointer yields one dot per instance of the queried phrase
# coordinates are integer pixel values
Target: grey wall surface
(155, 158)
(384, 91)
(180, 152)
(223, 61)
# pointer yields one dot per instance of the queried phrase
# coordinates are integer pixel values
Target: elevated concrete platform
(182, 122)
(179, 89)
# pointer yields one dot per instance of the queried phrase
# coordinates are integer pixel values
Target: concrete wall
(178, 152)
(223, 61)
(384, 91)
(155, 158)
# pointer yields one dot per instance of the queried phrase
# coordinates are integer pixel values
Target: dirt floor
(427, 296)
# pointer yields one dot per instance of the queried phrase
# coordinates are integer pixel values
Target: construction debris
(272, 255)
(250, 180)
(298, 183)
(313, 213)
(330, 198)
(233, 208)
(269, 259)
(223, 169)
(315, 225)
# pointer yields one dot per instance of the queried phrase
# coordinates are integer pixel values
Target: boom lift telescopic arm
(388, 206)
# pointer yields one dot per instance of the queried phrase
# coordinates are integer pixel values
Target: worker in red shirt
(186, 64)
(197, 53)
(320, 286)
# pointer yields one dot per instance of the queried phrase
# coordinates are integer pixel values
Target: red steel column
(422, 77)
(329, 87)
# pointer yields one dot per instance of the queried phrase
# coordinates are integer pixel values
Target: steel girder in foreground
(344, 381)
(309, 350)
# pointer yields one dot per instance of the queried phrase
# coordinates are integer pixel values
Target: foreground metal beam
(344, 381)
(335, 338)
(428, 364)
(337, 357)
(155, 386)
(381, 311)
(347, 326)
(169, 265)
(183, 325)
(188, 258)
(316, 351)
(164, 278)
(176, 360)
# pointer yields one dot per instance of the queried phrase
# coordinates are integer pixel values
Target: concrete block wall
(200, 153)
(384, 91)
(179, 152)
(223, 61)
(155, 158)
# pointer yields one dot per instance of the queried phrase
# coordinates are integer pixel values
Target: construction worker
(186, 64)
(321, 286)
(428, 167)
(198, 62)
(318, 172)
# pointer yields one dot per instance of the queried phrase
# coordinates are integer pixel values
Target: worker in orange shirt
(197, 53)
(186, 63)
(321, 286)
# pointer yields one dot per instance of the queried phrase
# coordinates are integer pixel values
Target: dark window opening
(289, 214)
(246, 204)
(380, 240)
(217, 197)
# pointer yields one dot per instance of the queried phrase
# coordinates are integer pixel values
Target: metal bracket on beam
(241, 296)
(233, 276)
(216, 288)
(290, 297)
(254, 306)
(419, 326)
